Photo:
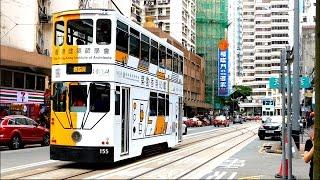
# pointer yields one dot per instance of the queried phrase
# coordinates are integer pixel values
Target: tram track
(167, 168)
(77, 171)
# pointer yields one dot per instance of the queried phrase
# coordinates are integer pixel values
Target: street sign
(274, 83)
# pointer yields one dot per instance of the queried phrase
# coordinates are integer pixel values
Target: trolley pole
(283, 98)
(316, 156)
(296, 106)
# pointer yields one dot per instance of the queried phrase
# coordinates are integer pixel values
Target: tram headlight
(76, 136)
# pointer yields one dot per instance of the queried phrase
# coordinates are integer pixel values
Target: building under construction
(211, 21)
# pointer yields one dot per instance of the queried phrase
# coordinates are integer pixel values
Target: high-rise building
(234, 40)
(308, 49)
(266, 30)
(211, 24)
(178, 18)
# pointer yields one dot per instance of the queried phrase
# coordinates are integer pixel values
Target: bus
(117, 89)
(268, 108)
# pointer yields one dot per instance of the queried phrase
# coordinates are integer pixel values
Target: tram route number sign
(79, 68)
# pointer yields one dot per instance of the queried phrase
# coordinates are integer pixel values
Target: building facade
(177, 18)
(25, 65)
(267, 28)
(234, 40)
(211, 20)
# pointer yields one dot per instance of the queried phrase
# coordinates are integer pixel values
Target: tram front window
(80, 32)
(78, 98)
(59, 97)
(99, 97)
(103, 31)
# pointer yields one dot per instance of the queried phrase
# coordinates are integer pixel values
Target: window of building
(18, 80)
(80, 32)
(103, 31)
(30, 81)
(40, 83)
(6, 78)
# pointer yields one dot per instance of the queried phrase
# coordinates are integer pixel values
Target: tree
(241, 92)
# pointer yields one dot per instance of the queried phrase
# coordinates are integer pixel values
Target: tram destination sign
(79, 68)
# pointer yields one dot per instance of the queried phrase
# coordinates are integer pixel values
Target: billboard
(223, 69)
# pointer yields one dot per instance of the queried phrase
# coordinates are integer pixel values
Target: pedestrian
(308, 151)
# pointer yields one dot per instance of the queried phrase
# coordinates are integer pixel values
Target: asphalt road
(36, 153)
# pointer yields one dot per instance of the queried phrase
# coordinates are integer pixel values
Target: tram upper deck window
(122, 37)
(145, 48)
(169, 60)
(180, 65)
(103, 31)
(80, 32)
(78, 98)
(59, 33)
(59, 97)
(134, 43)
(154, 52)
(162, 56)
(175, 63)
(99, 97)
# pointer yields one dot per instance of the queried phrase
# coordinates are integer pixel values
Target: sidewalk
(253, 162)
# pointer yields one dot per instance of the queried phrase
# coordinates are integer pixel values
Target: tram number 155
(104, 151)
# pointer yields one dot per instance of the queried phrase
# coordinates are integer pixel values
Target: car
(237, 119)
(18, 130)
(271, 127)
(221, 120)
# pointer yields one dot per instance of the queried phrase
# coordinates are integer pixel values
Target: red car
(221, 120)
(18, 130)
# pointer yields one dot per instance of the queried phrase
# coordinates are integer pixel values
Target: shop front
(19, 102)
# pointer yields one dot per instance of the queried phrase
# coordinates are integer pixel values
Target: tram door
(125, 99)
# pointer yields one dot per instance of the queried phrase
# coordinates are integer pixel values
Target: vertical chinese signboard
(223, 71)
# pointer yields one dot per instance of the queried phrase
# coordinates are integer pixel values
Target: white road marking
(232, 175)
(217, 175)
(27, 166)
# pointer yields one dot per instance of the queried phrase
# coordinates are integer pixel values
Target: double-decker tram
(116, 88)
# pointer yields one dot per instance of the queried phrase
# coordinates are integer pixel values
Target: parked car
(189, 122)
(18, 130)
(271, 128)
(221, 120)
(237, 119)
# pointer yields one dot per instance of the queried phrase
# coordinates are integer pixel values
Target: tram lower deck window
(99, 97)
(78, 98)
(59, 97)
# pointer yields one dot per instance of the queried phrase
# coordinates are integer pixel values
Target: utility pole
(289, 118)
(283, 99)
(296, 107)
(316, 155)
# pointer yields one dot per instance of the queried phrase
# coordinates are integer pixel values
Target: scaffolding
(212, 20)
